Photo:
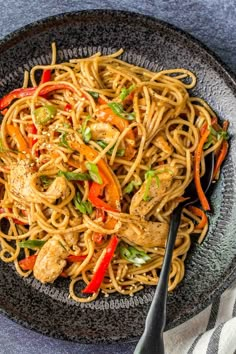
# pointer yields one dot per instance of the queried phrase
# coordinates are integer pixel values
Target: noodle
(93, 161)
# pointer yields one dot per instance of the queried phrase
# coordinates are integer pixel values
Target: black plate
(210, 267)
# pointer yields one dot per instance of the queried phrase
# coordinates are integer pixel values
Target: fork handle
(151, 341)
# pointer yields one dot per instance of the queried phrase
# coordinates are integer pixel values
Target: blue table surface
(211, 21)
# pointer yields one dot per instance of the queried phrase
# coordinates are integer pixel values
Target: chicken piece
(156, 192)
(19, 181)
(103, 131)
(56, 190)
(146, 233)
(162, 144)
(51, 260)
(71, 238)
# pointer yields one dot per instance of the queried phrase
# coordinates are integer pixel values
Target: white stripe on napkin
(227, 343)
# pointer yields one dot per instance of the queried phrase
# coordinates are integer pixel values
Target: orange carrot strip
(199, 212)
(74, 163)
(205, 125)
(16, 135)
(225, 125)
(197, 180)
(181, 199)
(203, 129)
(221, 157)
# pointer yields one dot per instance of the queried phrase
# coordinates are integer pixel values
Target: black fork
(151, 341)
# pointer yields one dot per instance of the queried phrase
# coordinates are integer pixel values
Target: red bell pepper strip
(97, 237)
(100, 271)
(25, 92)
(31, 141)
(4, 111)
(71, 258)
(101, 101)
(110, 184)
(46, 76)
(64, 274)
(68, 107)
(95, 191)
(28, 262)
(97, 202)
(32, 130)
(129, 98)
(112, 189)
(16, 221)
(18, 93)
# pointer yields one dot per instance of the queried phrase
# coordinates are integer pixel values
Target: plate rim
(221, 66)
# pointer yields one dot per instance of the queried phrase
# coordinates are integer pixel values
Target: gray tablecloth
(211, 21)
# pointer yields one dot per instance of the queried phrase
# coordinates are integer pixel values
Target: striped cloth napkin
(212, 331)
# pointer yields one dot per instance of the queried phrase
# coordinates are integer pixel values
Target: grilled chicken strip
(19, 182)
(156, 192)
(103, 131)
(146, 233)
(51, 259)
(56, 190)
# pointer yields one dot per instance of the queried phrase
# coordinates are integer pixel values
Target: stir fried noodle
(95, 155)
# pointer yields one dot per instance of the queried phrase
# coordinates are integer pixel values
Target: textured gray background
(211, 21)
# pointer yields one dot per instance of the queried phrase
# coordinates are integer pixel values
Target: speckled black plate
(211, 267)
